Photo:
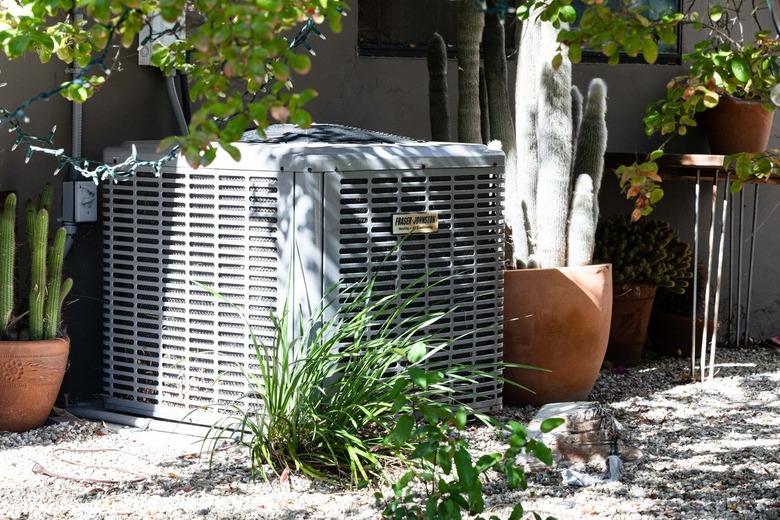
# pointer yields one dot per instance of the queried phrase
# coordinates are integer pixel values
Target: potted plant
(33, 350)
(671, 322)
(557, 305)
(645, 256)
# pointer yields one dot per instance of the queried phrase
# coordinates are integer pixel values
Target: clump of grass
(327, 386)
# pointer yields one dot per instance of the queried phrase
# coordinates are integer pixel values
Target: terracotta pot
(631, 309)
(556, 319)
(31, 373)
(670, 334)
(736, 125)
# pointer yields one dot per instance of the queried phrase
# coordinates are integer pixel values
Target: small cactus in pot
(645, 255)
(47, 289)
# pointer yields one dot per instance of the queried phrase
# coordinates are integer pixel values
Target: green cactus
(500, 112)
(484, 115)
(47, 291)
(576, 121)
(38, 274)
(55, 286)
(439, 109)
(7, 258)
(471, 22)
(45, 198)
(644, 252)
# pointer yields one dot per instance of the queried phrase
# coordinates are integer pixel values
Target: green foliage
(47, 291)
(748, 166)
(328, 388)
(237, 56)
(644, 252)
(443, 480)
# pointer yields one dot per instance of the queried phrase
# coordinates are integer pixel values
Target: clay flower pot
(737, 125)
(556, 319)
(670, 334)
(31, 373)
(631, 309)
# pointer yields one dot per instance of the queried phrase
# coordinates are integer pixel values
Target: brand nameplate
(406, 223)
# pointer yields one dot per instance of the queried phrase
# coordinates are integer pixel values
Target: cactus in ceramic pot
(47, 291)
(557, 141)
(645, 252)
(7, 260)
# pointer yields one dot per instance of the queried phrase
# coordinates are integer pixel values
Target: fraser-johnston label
(405, 223)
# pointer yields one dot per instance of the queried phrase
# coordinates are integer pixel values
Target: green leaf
(418, 377)
(656, 154)
(541, 452)
(461, 417)
(416, 352)
(517, 512)
(650, 51)
(549, 425)
(402, 430)
(464, 466)
(716, 13)
(741, 69)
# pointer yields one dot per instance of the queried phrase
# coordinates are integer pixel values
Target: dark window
(403, 27)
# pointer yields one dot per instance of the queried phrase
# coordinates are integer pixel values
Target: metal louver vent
(171, 346)
(462, 259)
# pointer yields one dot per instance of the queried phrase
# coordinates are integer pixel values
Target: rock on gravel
(710, 450)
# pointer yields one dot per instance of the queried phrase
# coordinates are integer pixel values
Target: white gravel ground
(711, 451)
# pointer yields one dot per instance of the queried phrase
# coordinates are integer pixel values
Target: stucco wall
(388, 94)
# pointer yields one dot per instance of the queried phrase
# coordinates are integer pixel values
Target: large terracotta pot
(631, 309)
(31, 373)
(556, 319)
(670, 334)
(737, 125)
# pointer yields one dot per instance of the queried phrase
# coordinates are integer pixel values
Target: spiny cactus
(38, 274)
(7, 258)
(500, 111)
(644, 252)
(582, 226)
(554, 136)
(592, 140)
(471, 22)
(439, 109)
(47, 291)
(551, 131)
(484, 115)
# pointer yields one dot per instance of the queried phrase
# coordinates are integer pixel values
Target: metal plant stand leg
(751, 259)
(718, 273)
(738, 337)
(731, 318)
(695, 293)
(703, 358)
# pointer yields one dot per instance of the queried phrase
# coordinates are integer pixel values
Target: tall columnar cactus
(38, 274)
(439, 109)
(592, 141)
(582, 226)
(554, 136)
(522, 214)
(500, 110)
(484, 115)
(471, 22)
(7, 258)
(56, 289)
(555, 147)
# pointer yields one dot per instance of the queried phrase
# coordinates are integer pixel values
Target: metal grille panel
(171, 347)
(463, 257)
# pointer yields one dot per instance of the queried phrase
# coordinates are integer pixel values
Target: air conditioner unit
(327, 204)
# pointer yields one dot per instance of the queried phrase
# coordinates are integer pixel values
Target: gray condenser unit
(317, 208)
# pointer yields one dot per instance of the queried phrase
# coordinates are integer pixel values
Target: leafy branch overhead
(237, 54)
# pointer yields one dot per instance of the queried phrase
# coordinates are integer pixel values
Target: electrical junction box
(79, 201)
(303, 216)
(157, 32)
